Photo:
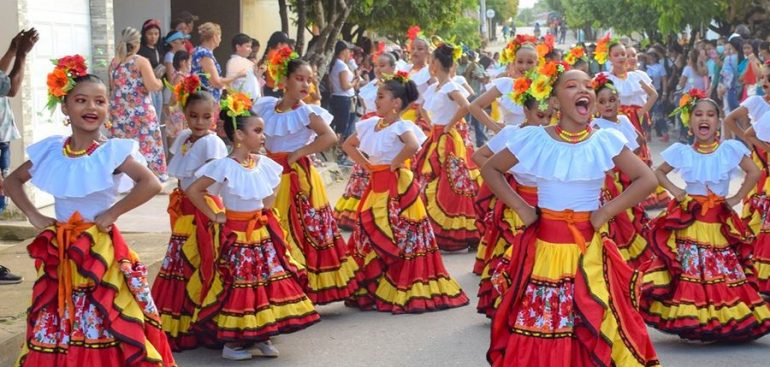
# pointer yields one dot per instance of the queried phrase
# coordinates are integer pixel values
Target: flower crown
(687, 104)
(545, 47)
(538, 83)
(574, 54)
(400, 76)
(602, 81)
(603, 47)
(508, 55)
(278, 64)
(62, 79)
(235, 105)
(182, 90)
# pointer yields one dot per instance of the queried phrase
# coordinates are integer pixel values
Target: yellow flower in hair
(458, 53)
(541, 88)
(237, 104)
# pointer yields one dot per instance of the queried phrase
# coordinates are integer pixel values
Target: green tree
(504, 9)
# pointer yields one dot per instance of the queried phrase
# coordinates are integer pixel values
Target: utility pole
(483, 20)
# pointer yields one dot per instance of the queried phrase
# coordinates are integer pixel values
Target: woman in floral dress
(131, 111)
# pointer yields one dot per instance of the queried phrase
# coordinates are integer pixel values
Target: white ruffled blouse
(569, 176)
(288, 131)
(242, 189)
(421, 78)
(498, 142)
(383, 146)
(184, 164)
(762, 128)
(438, 104)
(368, 94)
(512, 113)
(86, 184)
(706, 172)
(756, 106)
(629, 89)
(623, 125)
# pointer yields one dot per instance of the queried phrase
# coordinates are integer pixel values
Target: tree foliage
(504, 9)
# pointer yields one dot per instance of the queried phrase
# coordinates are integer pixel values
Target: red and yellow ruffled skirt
(345, 209)
(628, 229)
(313, 238)
(450, 183)
(411, 114)
(501, 232)
(660, 197)
(571, 301)
(257, 290)
(401, 270)
(701, 285)
(175, 295)
(91, 303)
(756, 214)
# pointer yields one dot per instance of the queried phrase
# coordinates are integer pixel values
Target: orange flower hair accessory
(574, 54)
(687, 105)
(545, 47)
(278, 64)
(603, 47)
(62, 79)
(182, 90)
(235, 105)
(602, 81)
(538, 84)
(400, 76)
(508, 55)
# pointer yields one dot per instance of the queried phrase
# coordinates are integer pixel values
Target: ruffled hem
(290, 122)
(627, 229)
(62, 176)
(204, 149)
(557, 161)
(709, 168)
(248, 184)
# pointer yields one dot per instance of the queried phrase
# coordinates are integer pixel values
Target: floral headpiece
(603, 47)
(62, 79)
(574, 54)
(545, 47)
(235, 105)
(602, 81)
(400, 76)
(182, 90)
(278, 64)
(414, 32)
(538, 83)
(508, 55)
(457, 52)
(687, 104)
(379, 52)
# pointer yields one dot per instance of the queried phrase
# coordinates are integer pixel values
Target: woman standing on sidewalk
(91, 304)
(294, 131)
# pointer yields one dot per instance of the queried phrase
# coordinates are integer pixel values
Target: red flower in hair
(413, 32)
(696, 93)
(75, 65)
(600, 80)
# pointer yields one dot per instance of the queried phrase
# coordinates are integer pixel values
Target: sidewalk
(146, 230)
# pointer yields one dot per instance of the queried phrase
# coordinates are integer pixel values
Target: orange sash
(67, 233)
(571, 218)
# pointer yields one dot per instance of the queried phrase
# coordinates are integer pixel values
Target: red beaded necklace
(69, 152)
(571, 137)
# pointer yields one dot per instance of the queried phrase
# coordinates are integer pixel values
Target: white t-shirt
(247, 84)
(340, 67)
(693, 79)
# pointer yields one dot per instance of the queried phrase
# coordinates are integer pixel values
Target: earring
(67, 121)
(237, 144)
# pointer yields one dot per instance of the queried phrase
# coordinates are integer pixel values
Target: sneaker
(235, 353)
(264, 349)
(6, 277)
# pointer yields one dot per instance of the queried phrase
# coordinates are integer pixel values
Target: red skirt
(660, 197)
(91, 304)
(400, 266)
(629, 228)
(450, 184)
(175, 295)
(501, 233)
(701, 285)
(345, 210)
(756, 210)
(257, 291)
(571, 301)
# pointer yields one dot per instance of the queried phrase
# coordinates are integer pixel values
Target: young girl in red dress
(569, 302)
(91, 304)
(401, 270)
(701, 284)
(256, 291)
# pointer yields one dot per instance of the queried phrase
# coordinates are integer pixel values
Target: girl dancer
(176, 293)
(295, 130)
(569, 301)
(419, 73)
(637, 97)
(401, 270)
(500, 223)
(626, 229)
(519, 56)
(701, 284)
(91, 304)
(443, 164)
(256, 291)
(345, 210)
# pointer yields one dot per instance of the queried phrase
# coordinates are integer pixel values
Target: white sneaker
(264, 349)
(235, 354)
